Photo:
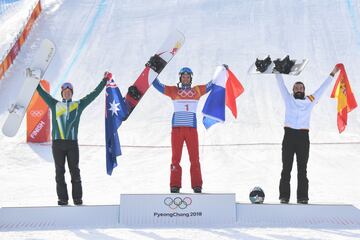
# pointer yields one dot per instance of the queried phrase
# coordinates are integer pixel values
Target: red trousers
(189, 135)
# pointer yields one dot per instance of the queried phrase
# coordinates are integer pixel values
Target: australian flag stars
(115, 112)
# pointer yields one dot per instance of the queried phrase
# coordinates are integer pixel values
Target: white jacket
(298, 111)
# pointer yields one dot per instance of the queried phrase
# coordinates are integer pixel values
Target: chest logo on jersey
(186, 93)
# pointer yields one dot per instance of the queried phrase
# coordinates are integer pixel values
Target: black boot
(78, 202)
(302, 201)
(174, 189)
(62, 202)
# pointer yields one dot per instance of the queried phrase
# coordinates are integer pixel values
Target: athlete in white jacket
(298, 109)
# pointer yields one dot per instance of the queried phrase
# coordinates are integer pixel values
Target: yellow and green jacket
(66, 114)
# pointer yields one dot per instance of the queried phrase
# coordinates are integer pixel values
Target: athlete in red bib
(185, 99)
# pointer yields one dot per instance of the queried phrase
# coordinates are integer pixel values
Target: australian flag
(115, 112)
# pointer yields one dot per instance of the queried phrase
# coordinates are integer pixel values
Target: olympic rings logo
(36, 113)
(177, 202)
(187, 93)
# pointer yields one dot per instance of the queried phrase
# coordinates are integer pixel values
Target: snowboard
(34, 74)
(153, 68)
(288, 66)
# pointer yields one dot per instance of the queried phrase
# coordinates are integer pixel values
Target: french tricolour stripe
(225, 91)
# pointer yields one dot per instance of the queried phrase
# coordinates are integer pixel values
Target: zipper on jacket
(67, 117)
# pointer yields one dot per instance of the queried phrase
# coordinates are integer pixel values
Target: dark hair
(299, 83)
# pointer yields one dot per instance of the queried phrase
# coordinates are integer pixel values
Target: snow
(13, 13)
(95, 36)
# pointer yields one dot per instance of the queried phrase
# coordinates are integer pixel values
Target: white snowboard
(34, 74)
(295, 70)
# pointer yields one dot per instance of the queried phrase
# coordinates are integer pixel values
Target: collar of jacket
(185, 87)
(66, 101)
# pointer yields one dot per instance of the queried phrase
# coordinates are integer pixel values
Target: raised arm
(159, 86)
(49, 100)
(85, 101)
(164, 89)
(283, 90)
(318, 93)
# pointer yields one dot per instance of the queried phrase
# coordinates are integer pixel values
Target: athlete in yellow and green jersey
(65, 123)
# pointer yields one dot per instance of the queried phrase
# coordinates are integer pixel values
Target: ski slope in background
(119, 36)
(12, 13)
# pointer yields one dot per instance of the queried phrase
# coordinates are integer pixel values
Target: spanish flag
(346, 100)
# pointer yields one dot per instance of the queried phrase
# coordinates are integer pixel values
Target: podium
(177, 210)
(180, 211)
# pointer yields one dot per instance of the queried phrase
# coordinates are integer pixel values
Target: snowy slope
(94, 36)
(13, 16)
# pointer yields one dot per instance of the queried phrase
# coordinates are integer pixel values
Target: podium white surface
(177, 210)
(180, 211)
(56, 217)
(298, 215)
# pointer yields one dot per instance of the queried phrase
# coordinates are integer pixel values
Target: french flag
(225, 91)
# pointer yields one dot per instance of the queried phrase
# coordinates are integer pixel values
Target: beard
(185, 86)
(299, 95)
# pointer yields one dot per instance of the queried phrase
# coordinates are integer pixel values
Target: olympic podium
(177, 210)
(180, 211)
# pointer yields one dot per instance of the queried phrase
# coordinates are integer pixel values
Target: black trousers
(67, 150)
(295, 142)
